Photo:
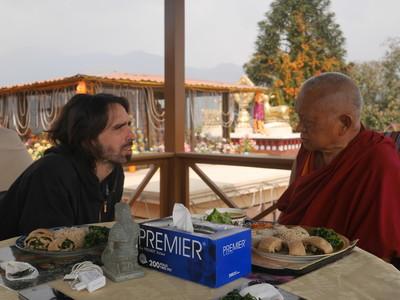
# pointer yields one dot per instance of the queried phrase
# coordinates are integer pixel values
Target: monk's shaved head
(334, 91)
(329, 107)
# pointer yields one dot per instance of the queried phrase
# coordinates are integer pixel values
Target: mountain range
(31, 64)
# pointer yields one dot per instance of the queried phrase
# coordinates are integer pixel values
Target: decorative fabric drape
(34, 110)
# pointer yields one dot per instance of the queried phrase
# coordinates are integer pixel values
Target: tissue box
(213, 255)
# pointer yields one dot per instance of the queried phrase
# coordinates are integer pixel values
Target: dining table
(359, 275)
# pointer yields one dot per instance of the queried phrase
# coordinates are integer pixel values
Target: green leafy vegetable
(97, 235)
(67, 244)
(330, 235)
(220, 218)
(234, 295)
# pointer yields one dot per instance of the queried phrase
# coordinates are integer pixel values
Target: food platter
(285, 257)
(71, 253)
(278, 267)
(281, 263)
(20, 244)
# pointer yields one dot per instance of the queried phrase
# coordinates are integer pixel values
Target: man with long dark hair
(79, 180)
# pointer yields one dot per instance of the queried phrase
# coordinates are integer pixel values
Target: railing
(181, 162)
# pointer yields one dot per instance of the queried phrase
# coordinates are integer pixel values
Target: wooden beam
(251, 160)
(152, 170)
(266, 212)
(149, 158)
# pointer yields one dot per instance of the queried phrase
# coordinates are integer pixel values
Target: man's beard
(103, 154)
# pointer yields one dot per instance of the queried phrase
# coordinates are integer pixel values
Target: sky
(217, 31)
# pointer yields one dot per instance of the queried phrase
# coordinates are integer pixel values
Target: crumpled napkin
(17, 270)
(263, 291)
(181, 218)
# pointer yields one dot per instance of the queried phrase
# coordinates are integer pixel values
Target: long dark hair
(81, 121)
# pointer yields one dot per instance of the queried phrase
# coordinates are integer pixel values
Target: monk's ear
(346, 122)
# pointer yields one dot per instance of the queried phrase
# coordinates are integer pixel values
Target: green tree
(379, 83)
(298, 39)
(370, 79)
(391, 64)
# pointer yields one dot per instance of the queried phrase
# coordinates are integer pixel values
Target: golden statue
(279, 113)
(243, 100)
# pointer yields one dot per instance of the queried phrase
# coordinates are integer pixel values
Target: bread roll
(270, 244)
(40, 242)
(291, 234)
(74, 234)
(41, 231)
(319, 243)
(297, 248)
(61, 239)
(55, 245)
(39, 239)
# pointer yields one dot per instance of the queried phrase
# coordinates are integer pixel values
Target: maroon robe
(357, 194)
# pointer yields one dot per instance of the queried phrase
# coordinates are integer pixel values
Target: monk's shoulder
(384, 156)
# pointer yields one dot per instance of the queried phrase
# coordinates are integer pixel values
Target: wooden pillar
(164, 205)
(174, 75)
(190, 104)
(226, 131)
(174, 102)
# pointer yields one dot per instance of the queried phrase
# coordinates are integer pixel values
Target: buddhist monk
(345, 176)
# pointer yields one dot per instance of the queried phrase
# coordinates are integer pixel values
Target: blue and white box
(213, 255)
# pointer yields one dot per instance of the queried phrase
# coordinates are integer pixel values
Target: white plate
(19, 243)
(301, 259)
(235, 213)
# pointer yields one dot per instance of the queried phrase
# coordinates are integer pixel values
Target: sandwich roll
(319, 243)
(270, 244)
(296, 248)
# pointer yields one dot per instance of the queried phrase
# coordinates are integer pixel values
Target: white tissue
(263, 291)
(181, 218)
(12, 267)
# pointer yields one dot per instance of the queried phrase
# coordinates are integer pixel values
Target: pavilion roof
(135, 80)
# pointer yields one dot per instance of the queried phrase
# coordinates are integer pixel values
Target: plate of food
(298, 244)
(225, 215)
(64, 241)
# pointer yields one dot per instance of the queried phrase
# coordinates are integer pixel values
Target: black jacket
(60, 189)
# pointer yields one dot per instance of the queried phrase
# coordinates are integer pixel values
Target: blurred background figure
(258, 114)
(14, 158)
